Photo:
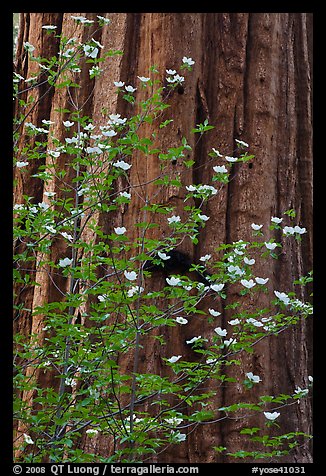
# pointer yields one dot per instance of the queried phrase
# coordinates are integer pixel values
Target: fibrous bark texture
(252, 81)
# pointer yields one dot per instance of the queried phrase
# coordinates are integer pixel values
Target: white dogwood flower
(248, 283)
(270, 246)
(65, 262)
(214, 313)
(271, 416)
(241, 143)
(188, 61)
(174, 358)
(120, 230)
(220, 169)
(217, 287)
(194, 339)
(173, 281)
(121, 164)
(282, 297)
(253, 378)
(261, 280)
(174, 219)
(205, 258)
(130, 275)
(130, 89)
(256, 227)
(163, 256)
(181, 320)
(28, 439)
(276, 220)
(221, 332)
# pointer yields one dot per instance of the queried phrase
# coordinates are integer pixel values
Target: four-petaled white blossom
(143, 79)
(174, 219)
(299, 230)
(171, 71)
(21, 164)
(302, 391)
(104, 20)
(270, 246)
(68, 123)
(116, 119)
(203, 217)
(66, 235)
(93, 150)
(65, 262)
(119, 84)
(50, 228)
(261, 280)
(234, 322)
(271, 416)
(130, 89)
(121, 164)
(125, 195)
(134, 290)
(248, 283)
(241, 143)
(181, 320)
(282, 297)
(28, 439)
(109, 133)
(235, 270)
(163, 256)
(205, 258)
(179, 436)
(43, 205)
(249, 261)
(188, 61)
(28, 46)
(217, 152)
(174, 420)
(217, 287)
(194, 339)
(49, 27)
(90, 51)
(54, 153)
(173, 281)
(230, 341)
(82, 19)
(214, 313)
(256, 227)
(231, 159)
(220, 169)
(120, 230)
(191, 188)
(276, 220)
(102, 297)
(174, 358)
(130, 275)
(253, 378)
(221, 332)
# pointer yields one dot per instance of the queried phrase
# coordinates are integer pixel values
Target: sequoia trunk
(252, 81)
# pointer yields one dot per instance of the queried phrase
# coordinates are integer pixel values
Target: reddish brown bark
(252, 81)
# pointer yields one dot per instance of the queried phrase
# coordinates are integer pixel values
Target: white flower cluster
(202, 189)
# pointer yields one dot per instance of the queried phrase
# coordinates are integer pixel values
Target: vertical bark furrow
(252, 80)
